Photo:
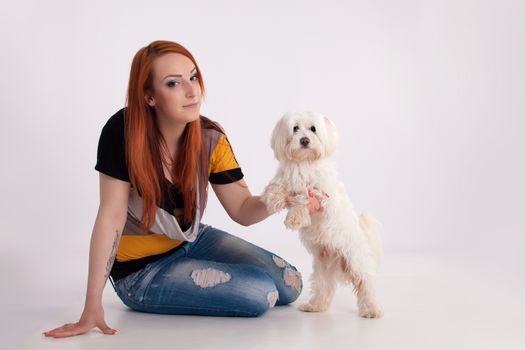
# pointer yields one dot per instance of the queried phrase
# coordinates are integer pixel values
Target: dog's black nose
(304, 141)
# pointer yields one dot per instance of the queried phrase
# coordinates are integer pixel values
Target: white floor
(430, 302)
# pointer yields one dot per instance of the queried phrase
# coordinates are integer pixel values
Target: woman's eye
(295, 129)
(312, 128)
(194, 78)
(172, 83)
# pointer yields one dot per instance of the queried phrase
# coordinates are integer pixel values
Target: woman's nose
(192, 90)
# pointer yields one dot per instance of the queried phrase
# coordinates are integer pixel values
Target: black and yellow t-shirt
(138, 248)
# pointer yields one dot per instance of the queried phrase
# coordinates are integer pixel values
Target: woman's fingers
(107, 329)
(66, 330)
(69, 333)
(313, 203)
(59, 329)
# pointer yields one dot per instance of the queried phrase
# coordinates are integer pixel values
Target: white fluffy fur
(346, 246)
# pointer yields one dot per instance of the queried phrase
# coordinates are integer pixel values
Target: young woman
(155, 158)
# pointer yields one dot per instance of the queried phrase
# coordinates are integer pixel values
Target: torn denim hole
(272, 298)
(279, 262)
(209, 277)
(293, 278)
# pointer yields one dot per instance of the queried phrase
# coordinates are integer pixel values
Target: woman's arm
(107, 230)
(110, 221)
(239, 203)
(246, 209)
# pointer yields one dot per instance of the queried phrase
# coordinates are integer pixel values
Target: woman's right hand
(88, 320)
(313, 204)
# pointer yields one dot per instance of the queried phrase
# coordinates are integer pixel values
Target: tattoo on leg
(112, 255)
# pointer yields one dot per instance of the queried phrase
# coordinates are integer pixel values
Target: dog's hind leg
(366, 303)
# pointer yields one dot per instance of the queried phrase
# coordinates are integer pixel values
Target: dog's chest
(299, 177)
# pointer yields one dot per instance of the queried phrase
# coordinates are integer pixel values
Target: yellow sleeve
(224, 168)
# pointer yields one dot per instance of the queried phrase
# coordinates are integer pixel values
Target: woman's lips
(193, 105)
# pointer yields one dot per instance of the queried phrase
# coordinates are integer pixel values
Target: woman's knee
(290, 281)
(261, 293)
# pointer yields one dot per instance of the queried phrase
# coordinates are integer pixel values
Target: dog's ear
(331, 137)
(280, 137)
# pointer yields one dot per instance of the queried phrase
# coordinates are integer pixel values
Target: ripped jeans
(216, 275)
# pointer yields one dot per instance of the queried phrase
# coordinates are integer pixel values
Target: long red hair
(144, 142)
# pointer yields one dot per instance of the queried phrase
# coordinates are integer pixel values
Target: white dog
(345, 246)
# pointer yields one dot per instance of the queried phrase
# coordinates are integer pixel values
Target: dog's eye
(295, 129)
(312, 128)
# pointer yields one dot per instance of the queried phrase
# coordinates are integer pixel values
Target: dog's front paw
(275, 204)
(274, 197)
(371, 311)
(309, 307)
(297, 219)
(292, 223)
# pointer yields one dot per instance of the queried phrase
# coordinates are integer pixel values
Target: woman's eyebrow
(179, 75)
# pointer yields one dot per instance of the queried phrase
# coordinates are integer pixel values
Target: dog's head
(303, 136)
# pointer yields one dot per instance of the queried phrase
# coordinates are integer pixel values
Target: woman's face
(176, 94)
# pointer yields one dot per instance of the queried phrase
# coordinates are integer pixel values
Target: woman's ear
(331, 137)
(150, 100)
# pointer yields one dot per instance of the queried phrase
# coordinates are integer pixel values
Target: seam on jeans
(197, 240)
(133, 283)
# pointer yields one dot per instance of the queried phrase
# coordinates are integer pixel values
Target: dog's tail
(371, 227)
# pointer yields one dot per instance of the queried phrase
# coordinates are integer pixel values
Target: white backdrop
(428, 97)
